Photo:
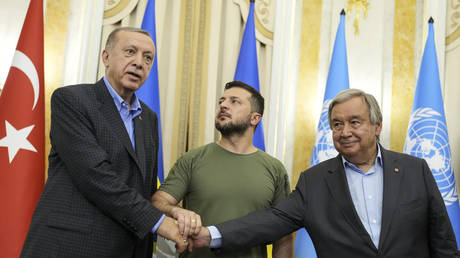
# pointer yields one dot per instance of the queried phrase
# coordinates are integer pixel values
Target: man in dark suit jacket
(103, 164)
(366, 202)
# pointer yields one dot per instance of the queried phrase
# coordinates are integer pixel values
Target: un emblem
(324, 146)
(427, 138)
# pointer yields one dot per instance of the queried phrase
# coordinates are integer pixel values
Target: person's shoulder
(269, 158)
(323, 166)
(199, 152)
(389, 155)
(202, 150)
(76, 89)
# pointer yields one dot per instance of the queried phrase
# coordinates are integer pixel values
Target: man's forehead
(236, 92)
(134, 38)
(354, 107)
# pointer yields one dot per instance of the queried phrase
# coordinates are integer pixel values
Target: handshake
(185, 229)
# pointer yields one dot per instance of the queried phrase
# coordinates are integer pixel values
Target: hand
(202, 239)
(189, 222)
(170, 230)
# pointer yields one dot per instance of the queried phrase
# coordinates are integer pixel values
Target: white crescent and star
(16, 140)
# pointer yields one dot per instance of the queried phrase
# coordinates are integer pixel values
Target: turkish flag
(22, 135)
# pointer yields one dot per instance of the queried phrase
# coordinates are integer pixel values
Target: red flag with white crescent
(22, 135)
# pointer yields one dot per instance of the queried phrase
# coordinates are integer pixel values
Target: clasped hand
(185, 225)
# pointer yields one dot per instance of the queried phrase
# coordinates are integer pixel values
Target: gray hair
(375, 115)
(112, 38)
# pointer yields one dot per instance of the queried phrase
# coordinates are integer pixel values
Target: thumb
(190, 244)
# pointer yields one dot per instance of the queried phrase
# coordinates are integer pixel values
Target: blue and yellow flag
(427, 136)
(149, 93)
(247, 70)
(323, 149)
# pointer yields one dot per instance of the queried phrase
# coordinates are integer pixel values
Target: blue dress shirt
(366, 189)
(128, 114)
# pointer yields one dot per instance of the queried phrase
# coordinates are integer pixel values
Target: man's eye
(129, 51)
(149, 59)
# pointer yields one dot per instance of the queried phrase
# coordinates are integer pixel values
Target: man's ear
(378, 129)
(105, 57)
(255, 118)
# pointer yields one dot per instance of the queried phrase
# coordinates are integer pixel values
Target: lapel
(139, 139)
(392, 177)
(338, 186)
(108, 108)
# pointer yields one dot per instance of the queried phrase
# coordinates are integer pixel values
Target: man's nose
(138, 61)
(223, 105)
(346, 131)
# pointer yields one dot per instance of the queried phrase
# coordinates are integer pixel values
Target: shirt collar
(378, 161)
(119, 101)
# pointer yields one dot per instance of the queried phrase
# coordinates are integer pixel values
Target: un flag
(427, 136)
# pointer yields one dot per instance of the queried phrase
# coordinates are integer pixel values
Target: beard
(234, 128)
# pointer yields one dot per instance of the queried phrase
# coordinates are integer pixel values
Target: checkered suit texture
(96, 201)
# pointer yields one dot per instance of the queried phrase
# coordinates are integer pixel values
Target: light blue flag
(427, 136)
(149, 92)
(247, 70)
(323, 149)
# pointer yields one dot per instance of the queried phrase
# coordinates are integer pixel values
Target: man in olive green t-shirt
(227, 179)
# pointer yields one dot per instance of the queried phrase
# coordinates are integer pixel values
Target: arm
(189, 222)
(283, 247)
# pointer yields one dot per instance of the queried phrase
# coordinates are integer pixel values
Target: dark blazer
(96, 201)
(414, 219)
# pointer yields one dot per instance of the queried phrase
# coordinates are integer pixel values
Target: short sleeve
(179, 177)
(282, 187)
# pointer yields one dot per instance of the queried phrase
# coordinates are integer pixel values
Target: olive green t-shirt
(220, 185)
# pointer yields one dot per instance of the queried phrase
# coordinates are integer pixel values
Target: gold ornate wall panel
(403, 70)
(191, 74)
(305, 127)
(55, 33)
(451, 83)
(453, 25)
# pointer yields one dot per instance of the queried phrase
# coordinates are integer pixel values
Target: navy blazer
(96, 201)
(414, 219)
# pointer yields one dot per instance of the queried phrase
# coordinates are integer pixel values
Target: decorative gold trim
(305, 127)
(261, 28)
(116, 9)
(199, 74)
(181, 96)
(403, 81)
(192, 73)
(55, 36)
(357, 5)
(453, 36)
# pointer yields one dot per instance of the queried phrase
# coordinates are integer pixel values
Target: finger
(186, 226)
(198, 225)
(181, 224)
(193, 222)
(181, 245)
(190, 244)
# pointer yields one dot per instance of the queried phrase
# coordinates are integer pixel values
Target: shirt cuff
(154, 229)
(216, 237)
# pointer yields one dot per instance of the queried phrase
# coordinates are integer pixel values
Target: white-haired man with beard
(229, 178)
